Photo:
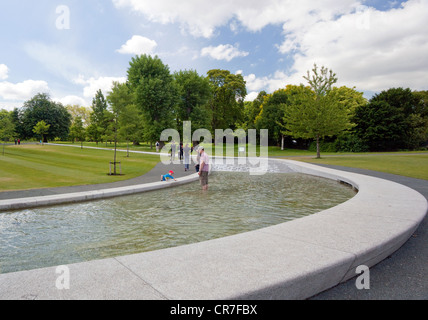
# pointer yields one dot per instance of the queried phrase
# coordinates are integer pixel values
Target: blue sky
(71, 48)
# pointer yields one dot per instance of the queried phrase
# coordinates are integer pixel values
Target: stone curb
(49, 200)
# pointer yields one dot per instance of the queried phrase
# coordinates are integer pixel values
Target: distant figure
(157, 146)
(180, 155)
(204, 168)
(198, 159)
(168, 176)
(19, 141)
(16, 142)
(186, 153)
(173, 146)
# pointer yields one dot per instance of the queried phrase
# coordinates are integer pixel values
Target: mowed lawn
(36, 166)
(409, 165)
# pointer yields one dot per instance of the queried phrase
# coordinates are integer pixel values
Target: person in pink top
(204, 168)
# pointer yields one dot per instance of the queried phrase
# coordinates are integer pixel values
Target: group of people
(202, 166)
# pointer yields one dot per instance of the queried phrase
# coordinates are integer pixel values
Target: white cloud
(223, 52)
(367, 48)
(4, 70)
(92, 85)
(138, 45)
(22, 91)
(72, 100)
(251, 96)
(201, 18)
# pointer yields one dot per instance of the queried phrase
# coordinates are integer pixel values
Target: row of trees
(340, 116)
(153, 99)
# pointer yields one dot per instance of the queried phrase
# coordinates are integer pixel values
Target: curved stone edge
(40, 201)
(293, 260)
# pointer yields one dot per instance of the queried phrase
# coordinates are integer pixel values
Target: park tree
(7, 127)
(154, 94)
(251, 111)
(39, 108)
(271, 115)
(317, 114)
(78, 131)
(99, 118)
(393, 119)
(83, 113)
(125, 122)
(194, 92)
(42, 129)
(422, 102)
(227, 103)
(379, 125)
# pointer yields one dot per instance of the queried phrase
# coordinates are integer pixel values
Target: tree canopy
(155, 94)
(42, 108)
(316, 113)
(227, 103)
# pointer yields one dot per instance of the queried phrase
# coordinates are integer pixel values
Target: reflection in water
(235, 203)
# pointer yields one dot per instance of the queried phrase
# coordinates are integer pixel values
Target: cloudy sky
(72, 48)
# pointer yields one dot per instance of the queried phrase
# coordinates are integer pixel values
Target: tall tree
(155, 94)
(7, 127)
(394, 119)
(194, 91)
(271, 115)
(120, 100)
(39, 108)
(251, 111)
(318, 114)
(79, 111)
(98, 118)
(379, 125)
(78, 131)
(41, 128)
(227, 104)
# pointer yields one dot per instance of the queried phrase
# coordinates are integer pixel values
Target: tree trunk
(318, 147)
(115, 148)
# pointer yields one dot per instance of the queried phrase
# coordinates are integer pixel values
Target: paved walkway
(402, 276)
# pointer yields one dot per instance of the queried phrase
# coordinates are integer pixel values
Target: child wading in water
(168, 176)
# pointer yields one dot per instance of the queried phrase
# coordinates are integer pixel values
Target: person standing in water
(186, 152)
(204, 168)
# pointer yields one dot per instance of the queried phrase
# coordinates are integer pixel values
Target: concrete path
(403, 275)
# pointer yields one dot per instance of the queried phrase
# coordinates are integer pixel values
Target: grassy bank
(36, 166)
(409, 165)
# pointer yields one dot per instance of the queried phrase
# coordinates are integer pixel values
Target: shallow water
(235, 203)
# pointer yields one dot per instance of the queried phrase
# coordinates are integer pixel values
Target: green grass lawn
(409, 165)
(273, 151)
(37, 166)
(110, 145)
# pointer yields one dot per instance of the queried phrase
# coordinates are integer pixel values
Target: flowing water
(236, 202)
